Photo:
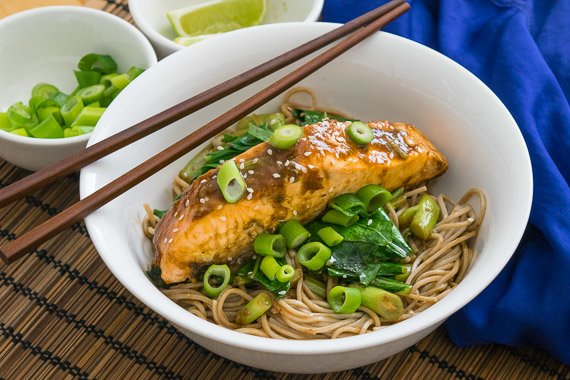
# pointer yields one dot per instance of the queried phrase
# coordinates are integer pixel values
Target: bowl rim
(407, 328)
(136, 11)
(149, 54)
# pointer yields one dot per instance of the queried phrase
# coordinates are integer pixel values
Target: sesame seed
(369, 222)
(241, 160)
(287, 163)
(219, 207)
(222, 161)
(279, 162)
(269, 152)
(330, 189)
(292, 179)
(242, 166)
(250, 171)
(311, 166)
(187, 203)
(307, 154)
(181, 217)
(175, 230)
(275, 175)
(220, 147)
(203, 181)
(170, 241)
(230, 258)
(215, 176)
(207, 199)
(202, 200)
(223, 218)
(249, 190)
(165, 240)
(295, 212)
(249, 196)
(470, 220)
(244, 175)
(255, 160)
(176, 214)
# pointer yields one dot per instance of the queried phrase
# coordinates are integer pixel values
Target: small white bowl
(385, 77)
(44, 45)
(150, 16)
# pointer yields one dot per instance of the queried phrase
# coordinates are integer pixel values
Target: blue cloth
(521, 50)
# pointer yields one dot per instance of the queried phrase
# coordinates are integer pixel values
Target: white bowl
(150, 16)
(44, 45)
(386, 77)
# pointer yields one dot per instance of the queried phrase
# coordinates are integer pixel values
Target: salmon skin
(201, 228)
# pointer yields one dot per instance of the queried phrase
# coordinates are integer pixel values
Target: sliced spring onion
(78, 130)
(359, 133)
(71, 109)
(106, 79)
(294, 233)
(120, 81)
(337, 217)
(5, 122)
(44, 113)
(286, 136)
(344, 300)
(44, 91)
(373, 196)
(60, 99)
(89, 116)
(92, 93)
(109, 95)
(425, 218)
(47, 129)
(104, 64)
(134, 72)
(285, 273)
(406, 216)
(389, 306)
(20, 132)
(313, 256)
(231, 182)
(216, 279)
(21, 116)
(391, 285)
(269, 267)
(393, 269)
(330, 236)
(258, 132)
(87, 78)
(349, 204)
(273, 120)
(270, 245)
(254, 309)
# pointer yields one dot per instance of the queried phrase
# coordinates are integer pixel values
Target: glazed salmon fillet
(297, 183)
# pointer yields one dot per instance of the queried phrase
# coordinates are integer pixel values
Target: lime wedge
(187, 41)
(217, 17)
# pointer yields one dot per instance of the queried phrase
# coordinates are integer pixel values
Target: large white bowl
(150, 16)
(386, 77)
(44, 45)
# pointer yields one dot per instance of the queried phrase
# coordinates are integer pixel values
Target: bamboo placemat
(64, 315)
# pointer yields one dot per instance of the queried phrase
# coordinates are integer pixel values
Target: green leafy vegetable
(306, 117)
(250, 270)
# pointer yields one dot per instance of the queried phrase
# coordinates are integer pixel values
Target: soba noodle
(438, 265)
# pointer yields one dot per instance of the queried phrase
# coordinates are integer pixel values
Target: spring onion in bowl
(51, 113)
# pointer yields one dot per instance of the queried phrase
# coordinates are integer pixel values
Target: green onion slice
(88, 117)
(254, 309)
(330, 236)
(426, 217)
(313, 256)
(315, 286)
(270, 245)
(360, 133)
(21, 116)
(5, 122)
(337, 217)
(231, 182)
(294, 233)
(120, 81)
(269, 267)
(216, 279)
(349, 204)
(71, 109)
(373, 197)
(20, 132)
(134, 72)
(47, 129)
(286, 136)
(285, 273)
(104, 64)
(344, 300)
(44, 91)
(91, 94)
(87, 78)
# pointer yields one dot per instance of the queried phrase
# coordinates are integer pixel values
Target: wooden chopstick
(91, 154)
(79, 210)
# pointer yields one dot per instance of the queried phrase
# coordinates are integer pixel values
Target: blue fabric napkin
(521, 50)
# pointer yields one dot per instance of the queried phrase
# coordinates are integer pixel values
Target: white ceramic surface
(44, 45)
(386, 77)
(150, 17)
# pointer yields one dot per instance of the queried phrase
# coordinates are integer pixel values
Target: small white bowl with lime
(171, 25)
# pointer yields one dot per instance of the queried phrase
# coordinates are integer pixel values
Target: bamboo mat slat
(64, 315)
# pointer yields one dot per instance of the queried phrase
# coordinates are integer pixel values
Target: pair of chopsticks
(355, 31)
